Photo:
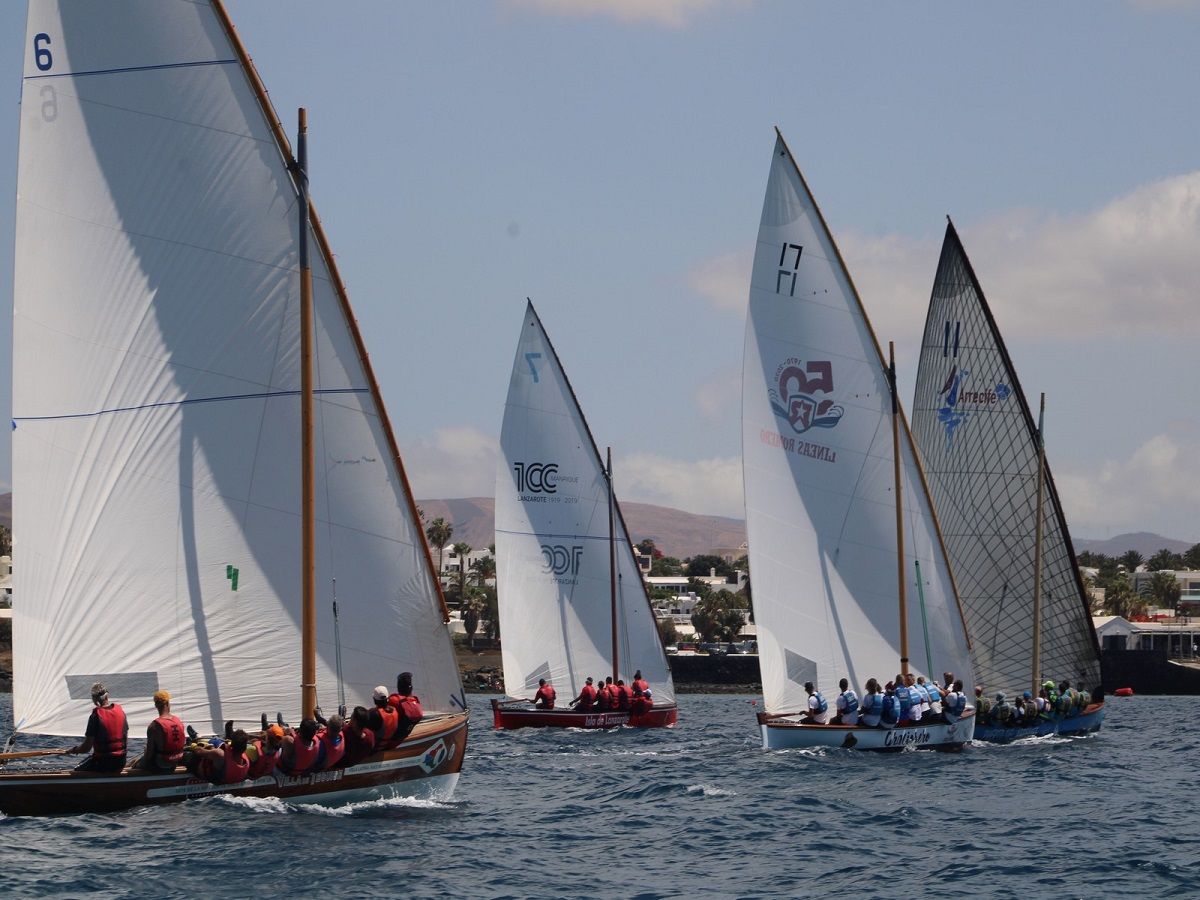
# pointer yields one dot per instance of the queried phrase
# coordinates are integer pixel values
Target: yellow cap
(162, 696)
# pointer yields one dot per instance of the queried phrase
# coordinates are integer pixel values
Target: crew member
(920, 698)
(818, 707)
(545, 696)
(587, 697)
(106, 735)
(1002, 711)
(641, 701)
(889, 717)
(872, 704)
(847, 705)
(360, 739)
(983, 706)
(226, 764)
(301, 748)
(935, 698)
(624, 694)
(603, 697)
(907, 701)
(954, 704)
(407, 704)
(333, 745)
(389, 719)
(165, 738)
(263, 753)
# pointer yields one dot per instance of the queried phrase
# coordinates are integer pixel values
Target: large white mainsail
(552, 542)
(818, 467)
(156, 405)
(978, 441)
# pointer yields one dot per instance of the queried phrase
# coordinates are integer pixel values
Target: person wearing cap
(545, 696)
(408, 704)
(106, 735)
(587, 696)
(165, 739)
(818, 707)
(1002, 711)
(389, 719)
(263, 753)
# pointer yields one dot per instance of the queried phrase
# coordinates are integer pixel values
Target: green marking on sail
(232, 574)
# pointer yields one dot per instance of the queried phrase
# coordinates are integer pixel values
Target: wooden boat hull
(509, 717)
(780, 733)
(1086, 722)
(426, 766)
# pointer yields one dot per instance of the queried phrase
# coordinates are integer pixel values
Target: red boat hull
(432, 755)
(509, 717)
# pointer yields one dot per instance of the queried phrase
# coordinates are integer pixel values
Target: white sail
(552, 542)
(156, 458)
(818, 466)
(978, 442)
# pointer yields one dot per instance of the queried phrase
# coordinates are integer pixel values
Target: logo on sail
(951, 413)
(562, 560)
(796, 398)
(536, 478)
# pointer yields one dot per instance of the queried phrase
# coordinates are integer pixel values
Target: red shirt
(546, 695)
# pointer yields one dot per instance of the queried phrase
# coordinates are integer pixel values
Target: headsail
(817, 462)
(978, 442)
(156, 379)
(552, 541)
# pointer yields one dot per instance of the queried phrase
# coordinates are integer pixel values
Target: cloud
(454, 462)
(724, 280)
(1156, 483)
(707, 487)
(719, 397)
(670, 13)
(1130, 267)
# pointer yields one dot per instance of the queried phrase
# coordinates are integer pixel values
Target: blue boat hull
(1086, 722)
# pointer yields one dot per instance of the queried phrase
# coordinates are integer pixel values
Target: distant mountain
(1144, 542)
(6, 510)
(675, 532)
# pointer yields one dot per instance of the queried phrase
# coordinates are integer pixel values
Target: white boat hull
(786, 733)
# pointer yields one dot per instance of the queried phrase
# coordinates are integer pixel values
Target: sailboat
(571, 597)
(1010, 548)
(839, 523)
(200, 446)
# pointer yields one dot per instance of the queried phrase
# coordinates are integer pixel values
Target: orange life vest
(304, 755)
(391, 722)
(264, 760)
(408, 706)
(113, 725)
(331, 751)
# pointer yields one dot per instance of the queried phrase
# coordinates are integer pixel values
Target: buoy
(1123, 692)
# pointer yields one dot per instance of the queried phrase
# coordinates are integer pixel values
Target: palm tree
(1131, 559)
(1120, 599)
(483, 569)
(472, 606)
(439, 533)
(462, 550)
(1163, 588)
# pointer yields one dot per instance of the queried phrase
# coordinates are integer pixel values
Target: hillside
(1144, 542)
(6, 510)
(675, 532)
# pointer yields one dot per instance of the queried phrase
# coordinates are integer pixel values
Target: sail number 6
(41, 52)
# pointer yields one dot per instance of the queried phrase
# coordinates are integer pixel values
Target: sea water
(699, 809)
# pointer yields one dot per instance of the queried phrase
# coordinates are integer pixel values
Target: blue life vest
(919, 693)
(822, 705)
(959, 705)
(851, 702)
(890, 714)
(935, 696)
(872, 704)
(905, 698)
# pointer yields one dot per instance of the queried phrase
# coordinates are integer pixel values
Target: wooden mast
(612, 569)
(1037, 550)
(899, 510)
(308, 618)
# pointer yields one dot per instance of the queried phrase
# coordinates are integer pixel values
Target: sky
(607, 158)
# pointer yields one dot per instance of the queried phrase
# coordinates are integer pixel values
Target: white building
(1179, 638)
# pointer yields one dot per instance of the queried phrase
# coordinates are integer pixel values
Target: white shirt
(814, 710)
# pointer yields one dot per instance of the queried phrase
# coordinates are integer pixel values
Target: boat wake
(275, 806)
(709, 791)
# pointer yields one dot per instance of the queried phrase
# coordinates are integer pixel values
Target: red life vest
(547, 695)
(331, 751)
(603, 698)
(408, 706)
(624, 696)
(587, 696)
(359, 745)
(111, 739)
(264, 760)
(173, 739)
(304, 755)
(391, 722)
(639, 686)
(235, 770)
